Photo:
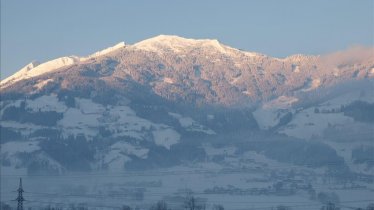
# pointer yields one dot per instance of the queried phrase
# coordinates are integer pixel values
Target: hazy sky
(43, 29)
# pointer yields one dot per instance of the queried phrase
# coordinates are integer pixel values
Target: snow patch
(371, 72)
(119, 152)
(253, 54)
(282, 102)
(312, 84)
(14, 147)
(336, 72)
(295, 68)
(129, 149)
(210, 117)
(270, 113)
(212, 151)
(25, 129)
(298, 58)
(246, 92)
(88, 107)
(46, 103)
(166, 137)
(42, 83)
(268, 118)
(168, 80)
(75, 122)
(191, 125)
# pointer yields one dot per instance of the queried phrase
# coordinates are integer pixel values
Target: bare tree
(161, 205)
(125, 207)
(283, 208)
(4, 206)
(370, 206)
(218, 207)
(49, 207)
(192, 203)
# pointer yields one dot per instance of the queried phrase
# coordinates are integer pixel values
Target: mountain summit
(177, 44)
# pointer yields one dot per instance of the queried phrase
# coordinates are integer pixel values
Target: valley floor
(234, 184)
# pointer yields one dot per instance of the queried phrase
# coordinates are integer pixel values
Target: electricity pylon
(20, 198)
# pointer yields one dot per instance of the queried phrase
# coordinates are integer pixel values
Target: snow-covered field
(86, 117)
(308, 123)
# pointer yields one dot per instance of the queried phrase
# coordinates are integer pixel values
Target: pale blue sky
(44, 29)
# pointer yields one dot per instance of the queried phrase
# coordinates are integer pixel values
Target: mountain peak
(31, 65)
(176, 43)
(177, 39)
(35, 69)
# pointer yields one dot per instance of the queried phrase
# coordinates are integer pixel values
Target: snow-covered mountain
(36, 68)
(200, 71)
(123, 106)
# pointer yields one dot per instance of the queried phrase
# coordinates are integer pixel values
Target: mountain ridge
(201, 71)
(160, 39)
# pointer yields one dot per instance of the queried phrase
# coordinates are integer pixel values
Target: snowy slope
(105, 51)
(269, 114)
(307, 123)
(191, 125)
(87, 116)
(33, 70)
(36, 68)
